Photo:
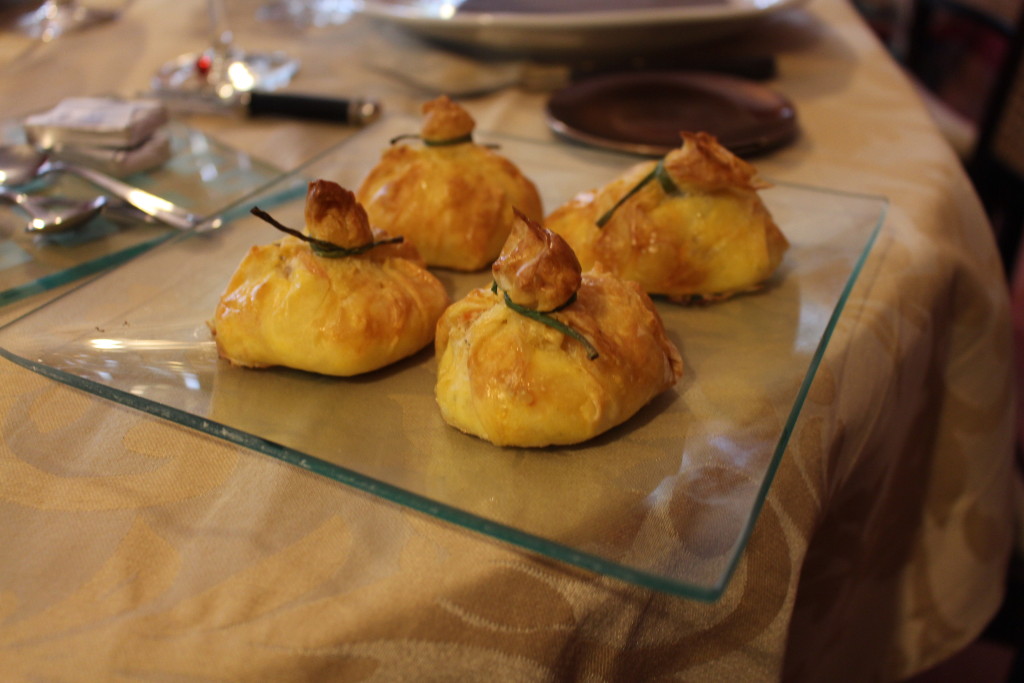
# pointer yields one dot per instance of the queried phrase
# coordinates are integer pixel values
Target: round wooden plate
(644, 112)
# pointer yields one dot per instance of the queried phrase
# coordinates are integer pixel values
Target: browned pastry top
(334, 215)
(445, 120)
(702, 162)
(536, 268)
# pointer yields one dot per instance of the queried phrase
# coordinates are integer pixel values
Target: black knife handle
(334, 109)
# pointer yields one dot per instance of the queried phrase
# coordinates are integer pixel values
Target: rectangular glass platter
(202, 176)
(666, 501)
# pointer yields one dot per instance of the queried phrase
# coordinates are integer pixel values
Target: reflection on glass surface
(666, 500)
(113, 345)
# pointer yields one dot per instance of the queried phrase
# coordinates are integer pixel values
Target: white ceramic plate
(573, 26)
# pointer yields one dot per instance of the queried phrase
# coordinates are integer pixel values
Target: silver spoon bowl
(54, 214)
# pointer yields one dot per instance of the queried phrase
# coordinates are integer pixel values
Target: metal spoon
(19, 164)
(54, 214)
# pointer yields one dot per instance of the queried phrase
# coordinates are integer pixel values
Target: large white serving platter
(575, 27)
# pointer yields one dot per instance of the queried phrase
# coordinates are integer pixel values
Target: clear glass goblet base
(233, 69)
(57, 17)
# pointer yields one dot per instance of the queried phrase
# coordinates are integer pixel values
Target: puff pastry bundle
(691, 226)
(341, 299)
(450, 197)
(549, 355)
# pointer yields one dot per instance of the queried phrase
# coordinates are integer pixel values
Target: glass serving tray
(202, 176)
(667, 500)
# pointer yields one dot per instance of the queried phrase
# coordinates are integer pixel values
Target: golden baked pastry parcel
(549, 355)
(691, 226)
(448, 195)
(340, 299)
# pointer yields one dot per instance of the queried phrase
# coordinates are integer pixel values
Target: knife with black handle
(355, 112)
(342, 110)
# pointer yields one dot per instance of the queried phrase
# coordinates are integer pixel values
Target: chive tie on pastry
(691, 226)
(549, 354)
(338, 298)
(450, 196)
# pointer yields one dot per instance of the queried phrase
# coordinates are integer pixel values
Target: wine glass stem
(221, 36)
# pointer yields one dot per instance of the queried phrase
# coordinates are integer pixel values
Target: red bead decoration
(203, 64)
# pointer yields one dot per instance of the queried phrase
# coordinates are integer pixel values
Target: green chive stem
(322, 247)
(545, 319)
(607, 216)
(660, 173)
(468, 137)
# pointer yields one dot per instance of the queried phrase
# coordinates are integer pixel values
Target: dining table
(138, 544)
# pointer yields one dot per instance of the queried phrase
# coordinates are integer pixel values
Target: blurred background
(964, 57)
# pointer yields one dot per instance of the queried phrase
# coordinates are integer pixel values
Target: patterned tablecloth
(137, 549)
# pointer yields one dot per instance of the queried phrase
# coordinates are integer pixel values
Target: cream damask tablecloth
(136, 549)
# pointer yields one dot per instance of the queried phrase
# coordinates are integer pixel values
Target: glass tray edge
(388, 492)
(470, 521)
(812, 369)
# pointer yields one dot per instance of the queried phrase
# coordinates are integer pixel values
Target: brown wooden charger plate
(644, 112)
